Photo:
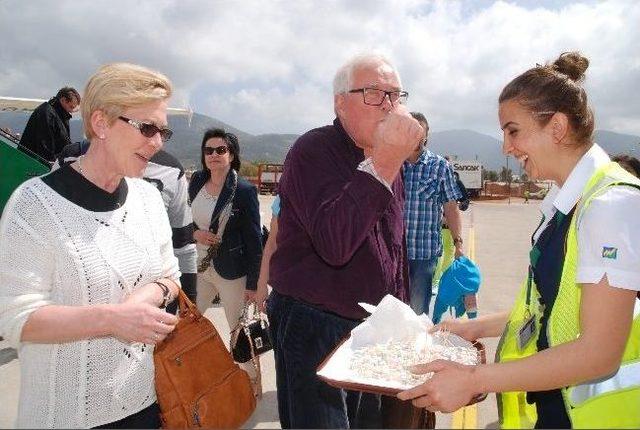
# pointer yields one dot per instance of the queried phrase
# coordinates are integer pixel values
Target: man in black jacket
(47, 130)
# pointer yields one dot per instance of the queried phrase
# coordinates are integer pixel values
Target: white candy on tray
(380, 350)
(390, 361)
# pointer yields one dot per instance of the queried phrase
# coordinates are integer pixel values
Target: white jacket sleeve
(26, 263)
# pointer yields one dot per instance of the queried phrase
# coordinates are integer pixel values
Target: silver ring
(155, 336)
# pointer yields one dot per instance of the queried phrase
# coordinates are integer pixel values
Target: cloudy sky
(266, 66)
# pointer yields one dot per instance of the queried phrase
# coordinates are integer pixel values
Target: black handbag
(250, 337)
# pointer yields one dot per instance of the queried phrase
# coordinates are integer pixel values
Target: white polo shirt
(608, 231)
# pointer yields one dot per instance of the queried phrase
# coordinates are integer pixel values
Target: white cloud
(267, 66)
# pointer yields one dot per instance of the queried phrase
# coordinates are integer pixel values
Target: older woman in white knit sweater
(86, 265)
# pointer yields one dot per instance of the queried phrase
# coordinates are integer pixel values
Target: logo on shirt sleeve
(609, 252)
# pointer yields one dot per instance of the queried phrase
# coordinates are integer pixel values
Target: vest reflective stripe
(513, 409)
(612, 402)
(628, 376)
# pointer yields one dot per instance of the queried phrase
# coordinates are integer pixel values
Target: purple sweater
(340, 232)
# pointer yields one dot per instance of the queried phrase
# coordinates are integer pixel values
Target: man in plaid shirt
(430, 192)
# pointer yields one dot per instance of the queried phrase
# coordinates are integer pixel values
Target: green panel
(15, 168)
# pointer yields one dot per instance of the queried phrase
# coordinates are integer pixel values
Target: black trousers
(189, 282)
(302, 337)
(148, 418)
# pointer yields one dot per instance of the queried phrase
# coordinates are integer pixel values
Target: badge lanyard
(528, 329)
(534, 254)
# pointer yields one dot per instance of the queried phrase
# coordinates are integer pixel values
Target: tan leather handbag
(197, 382)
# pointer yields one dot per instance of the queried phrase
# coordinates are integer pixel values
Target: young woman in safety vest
(569, 355)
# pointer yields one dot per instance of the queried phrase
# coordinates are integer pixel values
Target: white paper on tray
(391, 320)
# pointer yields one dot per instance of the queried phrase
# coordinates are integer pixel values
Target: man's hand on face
(395, 139)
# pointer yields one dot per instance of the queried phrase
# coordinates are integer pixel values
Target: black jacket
(463, 202)
(241, 248)
(47, 130)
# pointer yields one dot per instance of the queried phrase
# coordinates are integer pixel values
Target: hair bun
(572, 64)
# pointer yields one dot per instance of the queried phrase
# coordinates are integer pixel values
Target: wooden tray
(375, 389)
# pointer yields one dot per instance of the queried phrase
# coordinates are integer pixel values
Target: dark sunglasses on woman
(148, 129)
(220, 150)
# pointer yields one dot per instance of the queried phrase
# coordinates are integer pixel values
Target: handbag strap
(215, 216)
(186, 306)
(212, 250)
(246, 313)
(250, 311)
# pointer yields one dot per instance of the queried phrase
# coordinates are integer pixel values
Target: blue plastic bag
(461, 278)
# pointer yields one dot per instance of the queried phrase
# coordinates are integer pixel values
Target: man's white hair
(344, 75)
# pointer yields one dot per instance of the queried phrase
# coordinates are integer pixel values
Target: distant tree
(505, 174)
(248, 169)
(489, 175)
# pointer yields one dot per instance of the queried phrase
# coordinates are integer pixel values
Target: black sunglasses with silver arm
(147, 129)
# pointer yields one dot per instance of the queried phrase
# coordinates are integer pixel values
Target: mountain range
(461, 144)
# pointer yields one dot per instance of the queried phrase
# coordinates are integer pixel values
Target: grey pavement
(502, 234)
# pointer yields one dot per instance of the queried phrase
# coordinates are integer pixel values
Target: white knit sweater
(55, 252)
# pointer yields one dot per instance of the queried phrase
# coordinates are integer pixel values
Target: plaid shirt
(428, 185)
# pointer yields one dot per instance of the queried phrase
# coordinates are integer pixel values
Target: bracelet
(457, 240)
(166, 294)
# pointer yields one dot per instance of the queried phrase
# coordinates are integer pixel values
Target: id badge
(526, 332)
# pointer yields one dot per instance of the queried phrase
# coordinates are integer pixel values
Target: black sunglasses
(220, 150)
(148, 129)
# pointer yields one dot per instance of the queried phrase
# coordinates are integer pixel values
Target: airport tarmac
(499, 234)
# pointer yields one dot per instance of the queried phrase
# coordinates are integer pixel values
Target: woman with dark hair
(227, 228)
(569, 355)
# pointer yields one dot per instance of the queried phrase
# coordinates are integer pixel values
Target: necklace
(212, 189)
(81, 171)
(78, 162)
(208, 195)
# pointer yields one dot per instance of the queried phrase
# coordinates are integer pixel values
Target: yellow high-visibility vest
(610, 402)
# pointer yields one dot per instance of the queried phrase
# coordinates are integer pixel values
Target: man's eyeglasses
(375, 97)
(220, 150)
(148, 129)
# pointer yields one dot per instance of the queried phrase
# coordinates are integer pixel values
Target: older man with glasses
(340, 240)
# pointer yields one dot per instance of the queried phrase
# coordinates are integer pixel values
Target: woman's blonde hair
(118, 86)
